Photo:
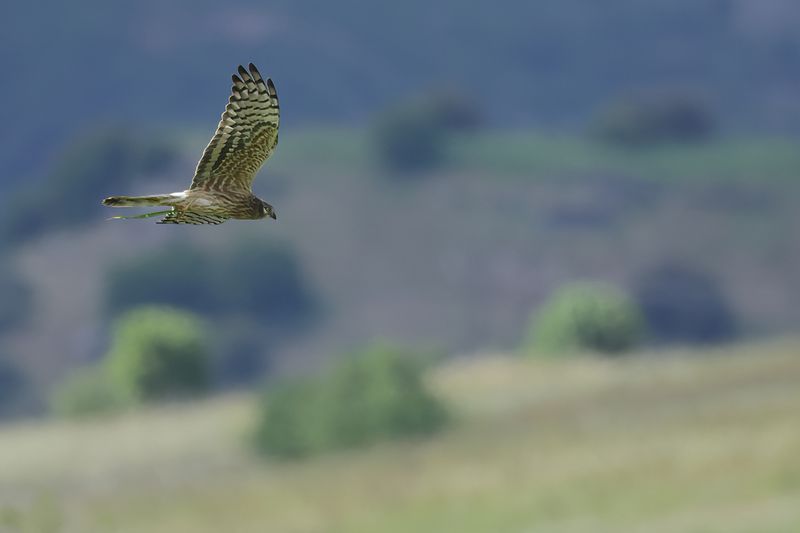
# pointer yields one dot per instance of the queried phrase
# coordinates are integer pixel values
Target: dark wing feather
(245, 137)
(190, 217)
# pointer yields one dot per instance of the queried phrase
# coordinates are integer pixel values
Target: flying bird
(222, 184)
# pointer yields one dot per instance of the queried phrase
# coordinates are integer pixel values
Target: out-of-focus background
(536, 268)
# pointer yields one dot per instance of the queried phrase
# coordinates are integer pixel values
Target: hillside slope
(458, 258)
(671, 444)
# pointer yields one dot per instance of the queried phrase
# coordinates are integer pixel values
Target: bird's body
(221, 187)
(197, 206)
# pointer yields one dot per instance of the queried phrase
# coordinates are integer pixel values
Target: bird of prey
(221, 187)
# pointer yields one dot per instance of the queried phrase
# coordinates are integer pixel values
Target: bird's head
(267, 211)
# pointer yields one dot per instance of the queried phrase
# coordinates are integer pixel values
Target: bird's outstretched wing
(245, 137)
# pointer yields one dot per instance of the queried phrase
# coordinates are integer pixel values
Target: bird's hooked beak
(273, 216)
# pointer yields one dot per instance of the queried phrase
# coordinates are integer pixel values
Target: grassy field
(671, 444)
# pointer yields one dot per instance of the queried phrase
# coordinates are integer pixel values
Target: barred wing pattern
(190, 217)
(245, 137)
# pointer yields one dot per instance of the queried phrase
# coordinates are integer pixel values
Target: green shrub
(260, 278)
(587, 317)
(87, 392)
(292, 424)
(15, 299)
(684, 305)
(158, 353)
(12, 386)
(264, 278)
(93, 166)
(242, 357)
(176, 275)
(379, 393)
(653, 118)
(376, 394)
(453, 110)
(407, 140)
(411, 136)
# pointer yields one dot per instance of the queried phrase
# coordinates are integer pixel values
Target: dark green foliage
(379, 393)
(681, 304)
(411, 136)
(95, 166)
(15, 299)
(251, 291)
(586, 317)
(12, 384)
(454, 110)
(408, 140)
(376, 394)
(177, 275)
(88, 392)
(159, 353)
(292, 423)
(260, 278)
(242, 354)
(655, 118)
(263, 278)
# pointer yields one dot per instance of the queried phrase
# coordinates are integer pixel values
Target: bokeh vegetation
(586, 317)
(156, 354)
(12, 385)
(645, 120)
(255, 292)
(16, 299)
(258, 278)
(376, 394)
(87, 392)
(93, 166)
(159, 353)
(411, 136)
(684, 305)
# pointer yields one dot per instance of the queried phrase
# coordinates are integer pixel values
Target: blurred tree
(12, 385)
(158, 353)
(16, 299)
(87, 392)
(71, 192)
(262, 279)
(585, 316)
(292, 423)
(242, 356)
(654, 118)
(379, 393)
(453, 110)
(408, 140)
(681, 304)
(411, 136)
(376, 394)
(178, 275)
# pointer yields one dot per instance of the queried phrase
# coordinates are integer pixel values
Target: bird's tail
(138, 201)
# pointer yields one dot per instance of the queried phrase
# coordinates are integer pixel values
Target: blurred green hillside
(675, 443)
(455, 258)
(652, 147)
